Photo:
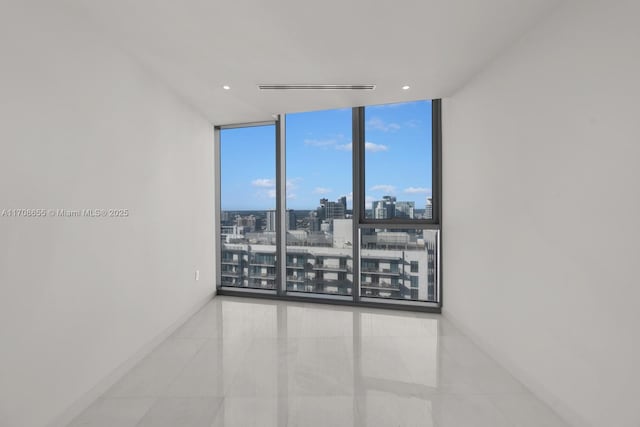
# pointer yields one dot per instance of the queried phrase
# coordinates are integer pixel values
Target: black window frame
(359, 224)
(436, 174)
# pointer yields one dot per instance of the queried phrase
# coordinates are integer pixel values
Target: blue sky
(397, 158)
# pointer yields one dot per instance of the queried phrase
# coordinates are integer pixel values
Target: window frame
(359, 219)
(217, 136)
(359, 212)
(348, 298)
(436, 174)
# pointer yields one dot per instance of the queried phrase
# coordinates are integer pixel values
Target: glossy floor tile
(246, 362)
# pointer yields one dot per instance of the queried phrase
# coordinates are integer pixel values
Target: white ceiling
(197, 46)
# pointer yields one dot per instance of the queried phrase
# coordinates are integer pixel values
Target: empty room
(347, 213)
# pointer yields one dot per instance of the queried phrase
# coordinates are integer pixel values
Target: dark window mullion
(281, 199)
(436, 159)
(359, 206)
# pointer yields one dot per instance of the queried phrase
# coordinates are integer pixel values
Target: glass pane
(248, 202)
(398, 167)
(399, 264)
(319, 225)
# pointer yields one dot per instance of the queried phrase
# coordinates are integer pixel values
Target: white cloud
(265, 193)
(413, 123)
(322, 190)
(415, 190)
(267, 187)
(377, 123)
(292, 183)
(263, 182)
(322, 143)
(374, 148)
(369, 146)
(384, 188)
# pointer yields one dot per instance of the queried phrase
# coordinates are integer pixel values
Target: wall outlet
(197, 274)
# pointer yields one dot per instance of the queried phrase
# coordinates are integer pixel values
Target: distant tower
(343, 201)
(385, 208)
(248, 222)
(290, 220)
(332, 210)
(322, 210)
(405, 209)
(271, 221)
(314, 221)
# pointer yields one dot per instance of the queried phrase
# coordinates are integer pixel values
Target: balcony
(228, 248)
(262, 263)
(296, 266)
(228, 281)
(329, 282)
(340, 287)
(334, 287)
(381, 272)
(340, 269)
(230, 273)
(263, 276)
(380, 293)
(381, 286)
(260, 285)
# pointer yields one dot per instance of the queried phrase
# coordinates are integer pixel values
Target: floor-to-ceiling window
(248, 207)
(319, 199)
(398, 229)
(341, 204)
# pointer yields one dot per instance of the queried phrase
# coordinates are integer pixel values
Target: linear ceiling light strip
(316, 87)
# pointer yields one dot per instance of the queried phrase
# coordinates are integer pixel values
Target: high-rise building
(405, 209)
(314, 222)
(271, 221)
(332, 210)
(385, 208)
(428, 212)
(290, 220)
(389, 207)
(343, 201)
(249, 222)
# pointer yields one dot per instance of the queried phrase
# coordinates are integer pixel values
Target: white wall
(82, 126)
(541, 211)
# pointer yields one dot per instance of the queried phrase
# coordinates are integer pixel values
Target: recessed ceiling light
(405, 87)
(226, 87)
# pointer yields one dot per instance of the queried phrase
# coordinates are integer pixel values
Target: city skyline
(319, 162)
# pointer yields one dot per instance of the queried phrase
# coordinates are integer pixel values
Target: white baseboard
(107, 382)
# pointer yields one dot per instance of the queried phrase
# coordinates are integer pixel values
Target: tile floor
(246, 362)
